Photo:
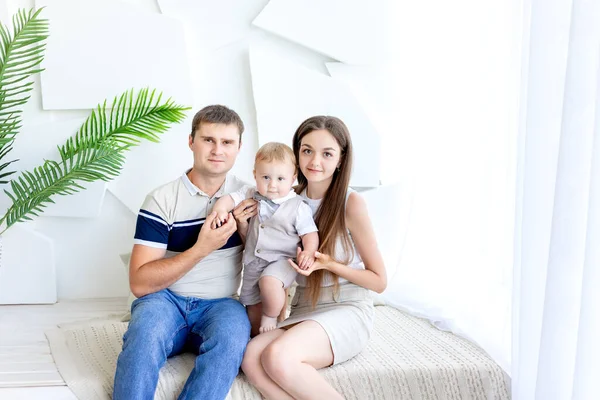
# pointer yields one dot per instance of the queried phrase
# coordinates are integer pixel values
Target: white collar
(281, 200)
(194, 190)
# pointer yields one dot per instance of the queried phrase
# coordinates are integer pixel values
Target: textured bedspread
(407, 358)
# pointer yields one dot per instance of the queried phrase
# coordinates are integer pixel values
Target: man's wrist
(200, 251)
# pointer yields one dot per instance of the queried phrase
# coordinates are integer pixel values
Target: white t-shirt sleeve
(304, 220)
(245, 192)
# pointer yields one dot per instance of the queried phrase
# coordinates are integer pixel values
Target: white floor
(27, 369)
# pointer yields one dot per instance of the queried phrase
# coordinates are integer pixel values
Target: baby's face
(274, 179)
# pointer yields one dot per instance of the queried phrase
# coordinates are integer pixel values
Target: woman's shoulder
(355, 205)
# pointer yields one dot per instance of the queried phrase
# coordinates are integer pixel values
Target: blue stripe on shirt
(181, 238)
(151, 230)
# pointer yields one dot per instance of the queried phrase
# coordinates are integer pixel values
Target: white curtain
(556, 296)
(455, 121)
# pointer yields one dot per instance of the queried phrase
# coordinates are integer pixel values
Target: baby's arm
(307, 229)
(222, 208)
(310, 244)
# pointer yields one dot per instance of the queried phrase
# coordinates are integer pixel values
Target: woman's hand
(242, 214)
(322, 261)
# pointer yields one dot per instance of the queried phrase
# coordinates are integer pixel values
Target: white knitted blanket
(407, 358)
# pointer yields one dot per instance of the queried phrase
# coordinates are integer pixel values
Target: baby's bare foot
(267, 323)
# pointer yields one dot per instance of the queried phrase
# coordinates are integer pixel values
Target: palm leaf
(96, 152)
(21, 52)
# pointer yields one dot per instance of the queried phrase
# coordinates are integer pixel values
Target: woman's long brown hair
(331, 215)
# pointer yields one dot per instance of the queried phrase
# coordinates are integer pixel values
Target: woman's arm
(374, 276)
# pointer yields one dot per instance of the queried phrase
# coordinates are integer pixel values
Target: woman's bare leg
(252, 367)
(291, 361)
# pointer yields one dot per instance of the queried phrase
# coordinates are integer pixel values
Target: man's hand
(209, 239)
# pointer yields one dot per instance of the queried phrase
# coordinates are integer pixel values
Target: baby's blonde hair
(274, 151)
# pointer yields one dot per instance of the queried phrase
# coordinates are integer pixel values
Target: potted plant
(96, 152)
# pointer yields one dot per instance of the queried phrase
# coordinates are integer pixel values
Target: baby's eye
(265, 177)
(281, 179)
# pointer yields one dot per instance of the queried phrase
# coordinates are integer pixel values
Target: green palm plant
(96, 152)
(21, 52)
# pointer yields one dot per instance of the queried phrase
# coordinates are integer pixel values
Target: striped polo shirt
(171, 218)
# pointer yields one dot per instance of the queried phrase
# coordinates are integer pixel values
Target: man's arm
(149, 272)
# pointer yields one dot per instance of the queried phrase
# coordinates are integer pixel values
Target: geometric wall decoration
(27, 270)
(285, 94)
(371, 85)
(213, 24)
(330, 26)
(97, 50)
(150, 165)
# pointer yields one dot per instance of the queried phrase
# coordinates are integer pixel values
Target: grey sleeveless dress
(346, 316)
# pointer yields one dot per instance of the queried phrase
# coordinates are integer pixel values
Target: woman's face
(320, 155)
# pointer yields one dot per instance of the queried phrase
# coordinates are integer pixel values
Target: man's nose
(217, 149)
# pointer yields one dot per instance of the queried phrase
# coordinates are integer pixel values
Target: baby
(274, 234)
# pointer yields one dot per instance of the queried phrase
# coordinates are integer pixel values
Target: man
(185, 274)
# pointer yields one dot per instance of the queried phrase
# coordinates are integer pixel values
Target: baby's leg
(272, 295)
(276, 277)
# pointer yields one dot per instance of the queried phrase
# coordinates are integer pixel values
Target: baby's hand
(305, 259)
(220, 219)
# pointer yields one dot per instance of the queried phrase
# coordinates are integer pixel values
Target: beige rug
(407, 358)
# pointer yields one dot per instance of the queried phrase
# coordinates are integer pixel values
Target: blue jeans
(164, 324)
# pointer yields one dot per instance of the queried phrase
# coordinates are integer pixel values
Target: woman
(332, 313)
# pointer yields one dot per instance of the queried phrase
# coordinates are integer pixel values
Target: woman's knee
(276, 362)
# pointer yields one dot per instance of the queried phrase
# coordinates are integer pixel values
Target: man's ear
(190, 141)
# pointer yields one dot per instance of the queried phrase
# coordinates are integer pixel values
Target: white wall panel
(97, 50)
(213, 24)
(151, 165)
(350, 31)
(87, 251)
(371, 87)
(27, 268)
(286, 94)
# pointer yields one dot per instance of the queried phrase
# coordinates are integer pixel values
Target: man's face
(215, 148)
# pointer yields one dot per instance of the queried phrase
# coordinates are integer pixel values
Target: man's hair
(217, 114)
(274, 151)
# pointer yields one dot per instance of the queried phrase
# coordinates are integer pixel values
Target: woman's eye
(306, 151)
(328, 154)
